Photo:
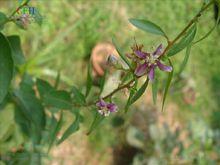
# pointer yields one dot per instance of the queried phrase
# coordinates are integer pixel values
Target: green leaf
(6, 65)
(97, 120)
(185, 60)
(184, 42)
(147, 26)
(3, 20)
(155, 90)
(59, 99)
(23, 121)
(27, 84)
(32, 107)
(140, 92)
(17, 53)
(132, 92)
(120, 53)
(89, 80)
(168, 82)
(43, 87)
(55, 128)
(78, 97)
(71, 129)
(33, 110)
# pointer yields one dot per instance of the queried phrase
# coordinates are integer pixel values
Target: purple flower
(106, 108)
(151, 61)
(140, 54)
(137, 54)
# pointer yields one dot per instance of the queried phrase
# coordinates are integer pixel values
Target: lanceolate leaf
(97, 120)
(43, 87)
(155, 90)
(71, 129)
(78, 97)
(6, 65)
(121, 53)
(140, 92)
(89, 80)
(147, 26)
(132, 92)
(32, 107)
(59, 99)
(17, 53)
(56, 126)
(169, 79)
(33, 111)
(185, 60)
(184, 42)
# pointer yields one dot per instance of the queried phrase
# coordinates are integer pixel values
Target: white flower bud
(112, 60)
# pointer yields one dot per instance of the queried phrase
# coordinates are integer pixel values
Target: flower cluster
(144, 62)
(106, 108)
(148, 62)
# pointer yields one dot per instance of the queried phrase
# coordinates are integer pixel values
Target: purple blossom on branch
(106, 108)
(149, 62)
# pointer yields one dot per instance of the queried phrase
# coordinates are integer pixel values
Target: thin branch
(192, 21)
(118, 89)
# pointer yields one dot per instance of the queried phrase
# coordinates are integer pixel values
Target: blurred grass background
(71, 29)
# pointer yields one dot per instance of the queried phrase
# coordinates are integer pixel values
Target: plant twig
(192, 21)
(118, 89)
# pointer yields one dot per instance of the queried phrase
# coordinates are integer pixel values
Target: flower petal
(158, 50)
(164, 67)
(141, 69)
(101, 103)
(141, 54)
(151, 73)
(112, 107)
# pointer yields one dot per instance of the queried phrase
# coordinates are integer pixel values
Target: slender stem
(192, 21)
(118, 89)
(127, 85)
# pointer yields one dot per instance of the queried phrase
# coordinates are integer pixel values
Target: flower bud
(112, 60)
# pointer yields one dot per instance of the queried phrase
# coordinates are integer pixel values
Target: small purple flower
(137, 54)
(151, 61)
(141, 69)
(140, 54)
(106, 108)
